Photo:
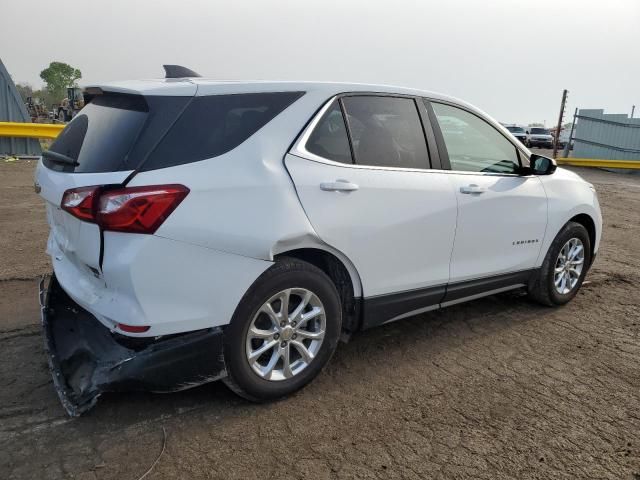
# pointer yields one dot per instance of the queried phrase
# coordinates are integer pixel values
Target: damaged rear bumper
(87, 359)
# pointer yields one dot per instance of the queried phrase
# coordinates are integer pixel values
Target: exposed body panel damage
(86, 360)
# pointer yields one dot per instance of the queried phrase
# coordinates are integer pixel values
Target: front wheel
(564, 267)
(284, 331)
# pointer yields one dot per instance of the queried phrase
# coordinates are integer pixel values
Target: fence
(600, 135)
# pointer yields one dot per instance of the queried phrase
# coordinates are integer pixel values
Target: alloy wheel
(285, 334)
(569, 265)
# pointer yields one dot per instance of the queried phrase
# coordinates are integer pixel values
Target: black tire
(542, 288)
(286, 273)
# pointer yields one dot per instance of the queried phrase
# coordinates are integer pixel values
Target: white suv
(203, 230)
(538, 137)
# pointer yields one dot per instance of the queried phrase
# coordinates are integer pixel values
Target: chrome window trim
(326, 161)
(299, 147)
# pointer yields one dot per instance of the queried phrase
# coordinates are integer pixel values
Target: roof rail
(178, 71)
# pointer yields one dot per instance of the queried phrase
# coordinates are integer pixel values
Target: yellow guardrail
(30, 130)
(597, 162)
(48, 130)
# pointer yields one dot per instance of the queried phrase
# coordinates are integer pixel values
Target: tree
(25, 90)
(536, 125)
(58, 76)
(45, 97)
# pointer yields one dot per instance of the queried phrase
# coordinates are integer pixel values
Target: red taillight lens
(80, 202)
(138, 209)
(131, 210)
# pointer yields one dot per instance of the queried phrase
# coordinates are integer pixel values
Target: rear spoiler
(176, 82)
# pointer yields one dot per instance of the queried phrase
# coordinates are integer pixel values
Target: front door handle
(339, 185)
(473, 188)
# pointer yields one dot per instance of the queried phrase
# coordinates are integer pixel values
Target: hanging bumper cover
(87, 359)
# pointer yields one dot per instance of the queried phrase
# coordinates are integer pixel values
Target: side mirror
(541, 165)
(527, 132)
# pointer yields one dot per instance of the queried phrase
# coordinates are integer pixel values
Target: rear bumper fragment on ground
(87, 359)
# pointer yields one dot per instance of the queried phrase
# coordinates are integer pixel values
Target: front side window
(473, 144)
(386, 131)
(329, 138)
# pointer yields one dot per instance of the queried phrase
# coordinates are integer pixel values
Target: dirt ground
(497, 388)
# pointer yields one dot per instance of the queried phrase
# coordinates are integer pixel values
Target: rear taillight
(131, 210)
(80, 202)
(138, 209)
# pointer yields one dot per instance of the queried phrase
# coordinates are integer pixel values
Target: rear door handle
(473, 188)
(339, 185)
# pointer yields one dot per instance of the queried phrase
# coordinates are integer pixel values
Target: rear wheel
(283, 332)
(564, 267)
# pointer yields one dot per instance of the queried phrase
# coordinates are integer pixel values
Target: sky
(511, 58)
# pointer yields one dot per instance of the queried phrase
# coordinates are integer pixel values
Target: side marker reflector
(133, 328)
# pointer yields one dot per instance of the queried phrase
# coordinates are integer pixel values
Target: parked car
(517, 132)
(539, 137)
(205, 230)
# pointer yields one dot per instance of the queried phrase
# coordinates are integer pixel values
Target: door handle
(339, 185)
(473, 188)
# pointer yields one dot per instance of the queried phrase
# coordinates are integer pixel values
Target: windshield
(539, 131)
(515, 129)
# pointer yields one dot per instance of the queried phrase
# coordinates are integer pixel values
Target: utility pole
(559, 127)
(633, 109)
(567, 147)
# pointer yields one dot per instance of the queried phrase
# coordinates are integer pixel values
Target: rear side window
(329, 138)
(386, 131)
(215, 124)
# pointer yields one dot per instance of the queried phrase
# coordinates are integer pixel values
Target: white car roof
(205, 86)
(319, 91)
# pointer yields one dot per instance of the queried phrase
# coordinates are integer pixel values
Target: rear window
(117, 132)
(539, 131)
(213, 125)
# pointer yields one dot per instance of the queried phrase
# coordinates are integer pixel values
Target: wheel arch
(589, 224)
(343, 275)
